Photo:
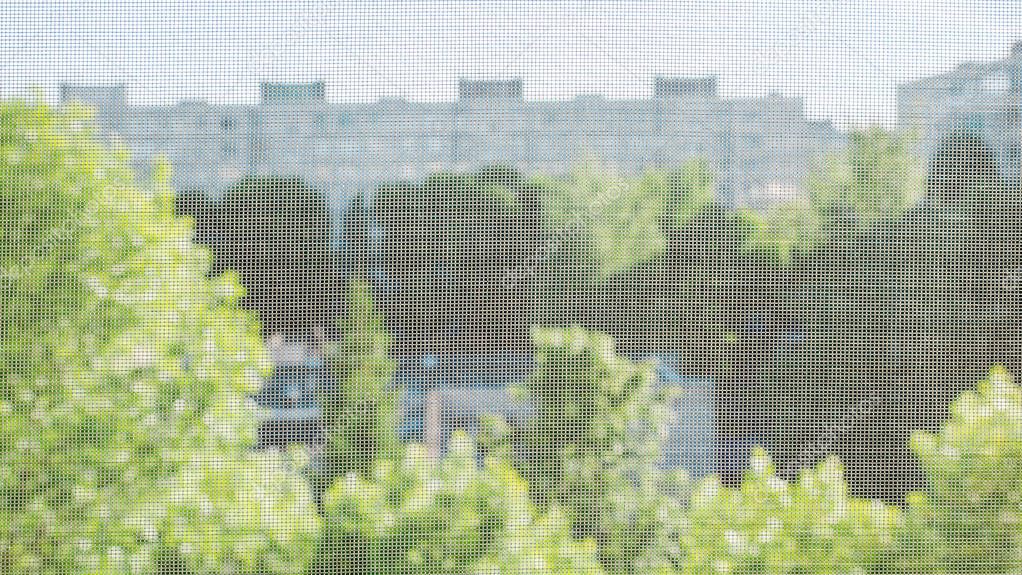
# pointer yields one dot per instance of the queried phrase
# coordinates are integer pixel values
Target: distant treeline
(832, 323)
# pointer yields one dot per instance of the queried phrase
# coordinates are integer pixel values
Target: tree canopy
(358, 406)
(415, 515)
(125, 437)
(591, 448)
(276, 233)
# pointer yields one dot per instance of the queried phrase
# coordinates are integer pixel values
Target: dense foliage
(473, 260)
(876, 178)
(870, 314)
(126, 434)
(969, 518)
(618, 217)
(359, 409)
(885, 267)
(416, 515)
(455, 256)
(277, 234)
(768, 525)
(836, 324)
(966, 521)
(591, 448)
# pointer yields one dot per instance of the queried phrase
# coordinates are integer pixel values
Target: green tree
(877, 177)
(591, 448)
(611, 242)
(198, 206)
(879, 305)
(418, 516)
(457, 254)
(360, 410)
(769, 525)
(785, 231)
(619, 217)
(276, 233)
(125, 434)
(356, 247)
(687, 191)
(969, 517)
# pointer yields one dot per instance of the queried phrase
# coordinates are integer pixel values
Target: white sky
(845, 58)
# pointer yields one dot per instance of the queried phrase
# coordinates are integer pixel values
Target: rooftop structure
(983, 98)
(276, 93)
(490, 89)
(680, 87)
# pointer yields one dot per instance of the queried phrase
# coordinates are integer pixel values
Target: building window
(349, 147)
(323, 147)
(227, 123)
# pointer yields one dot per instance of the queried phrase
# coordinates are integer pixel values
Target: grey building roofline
(966, 70)
(315, 93)
(292, 92)
(469, 88)
(91, 92)
(675, 86)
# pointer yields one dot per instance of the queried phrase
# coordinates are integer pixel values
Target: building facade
(983, 98)
(760, 149)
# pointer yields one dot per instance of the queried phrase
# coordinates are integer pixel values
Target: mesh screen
(526, 287)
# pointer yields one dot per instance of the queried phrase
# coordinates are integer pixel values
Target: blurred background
(616, 251)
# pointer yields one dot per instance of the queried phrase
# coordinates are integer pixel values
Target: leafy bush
(126, 432)
(421, 516)
(687, 192)
(592, 447)
(969, 519)
(783, 231)
(771, 526)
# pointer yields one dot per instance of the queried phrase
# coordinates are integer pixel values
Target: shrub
(592, 448)
(359, 409)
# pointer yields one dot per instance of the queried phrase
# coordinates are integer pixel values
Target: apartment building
(760, 149)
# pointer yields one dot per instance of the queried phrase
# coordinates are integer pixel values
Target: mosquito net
(510, 287)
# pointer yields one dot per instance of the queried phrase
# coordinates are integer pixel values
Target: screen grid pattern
(480, 287)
